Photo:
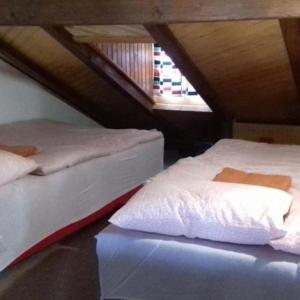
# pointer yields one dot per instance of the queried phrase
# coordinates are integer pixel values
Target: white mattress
(63, 145)
(34, 207)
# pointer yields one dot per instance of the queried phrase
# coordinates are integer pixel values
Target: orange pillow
(280, 182)
(24, 151)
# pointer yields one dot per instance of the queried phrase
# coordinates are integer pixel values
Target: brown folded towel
(280, 182)
(24, 151)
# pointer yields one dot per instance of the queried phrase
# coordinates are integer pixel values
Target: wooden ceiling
(99, 99)
(247, 65)
(110, 34)
(124, 12)
(243, 62)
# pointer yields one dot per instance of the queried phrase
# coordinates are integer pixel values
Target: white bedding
(13, 166)
(34, 207)
(218, 211)
(248, 157)
(62, 145)
(241, 155)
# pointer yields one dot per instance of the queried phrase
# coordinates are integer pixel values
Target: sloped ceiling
(246, 63)
(40, 48)
(106, 33)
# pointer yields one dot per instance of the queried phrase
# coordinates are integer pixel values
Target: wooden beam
(113, 39)
(48, 81)
(103, 67)
(291, 34)
(164, 36)
(106, 69)
(110, 34)
(95, 12)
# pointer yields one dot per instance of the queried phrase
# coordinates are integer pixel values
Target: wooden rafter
(110, 34)
(103, 67)
(48, 81)
(164, 36)
(106, 69)
(79, 12)
(291, 34)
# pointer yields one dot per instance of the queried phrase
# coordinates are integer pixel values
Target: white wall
(23, 99)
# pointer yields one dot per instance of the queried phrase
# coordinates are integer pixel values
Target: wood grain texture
(79, 12)
(102, 67)
(136, 59)
(247, 64)
(291, 34)
(164, 36)
(105, 69)
(38, 47)
(278, 134)
(48, 81)
(110, 34)
(35, 45)
(41, 49)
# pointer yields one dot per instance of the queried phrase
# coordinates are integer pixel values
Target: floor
(65, 271)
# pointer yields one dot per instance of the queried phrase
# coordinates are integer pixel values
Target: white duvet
(63, 145)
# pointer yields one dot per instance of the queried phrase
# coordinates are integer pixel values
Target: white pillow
(13, 166)
(290, 242)
(219, 211)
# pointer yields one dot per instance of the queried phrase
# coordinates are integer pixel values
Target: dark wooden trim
(291, 34)
(103, 67)
(96, 12)
(164, 36)
(227, 130)
(48, 81)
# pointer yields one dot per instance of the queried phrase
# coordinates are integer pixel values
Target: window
(171, 88)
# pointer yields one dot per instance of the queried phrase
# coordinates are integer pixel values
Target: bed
(36, 207)
(139, 265)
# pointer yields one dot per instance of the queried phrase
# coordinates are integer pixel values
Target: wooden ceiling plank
(113, 39)
(291, 34)
(12, 56)
(102, 66)
(110, 33)
(164, 36)
(95, 12)
(109, 71)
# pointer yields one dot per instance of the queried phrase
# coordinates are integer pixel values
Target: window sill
(195, 103)
(182, 107)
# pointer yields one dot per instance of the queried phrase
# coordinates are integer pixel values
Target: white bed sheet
(34, 207)
(63, 145)
(242, 155)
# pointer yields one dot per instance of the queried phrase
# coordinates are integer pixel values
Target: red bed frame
(74, 227)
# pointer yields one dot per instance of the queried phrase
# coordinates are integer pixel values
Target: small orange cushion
(280, 182)
(24, 151)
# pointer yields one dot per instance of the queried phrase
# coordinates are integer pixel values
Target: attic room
(149, 150)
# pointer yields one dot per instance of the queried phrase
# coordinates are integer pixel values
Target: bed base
(75, 227)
